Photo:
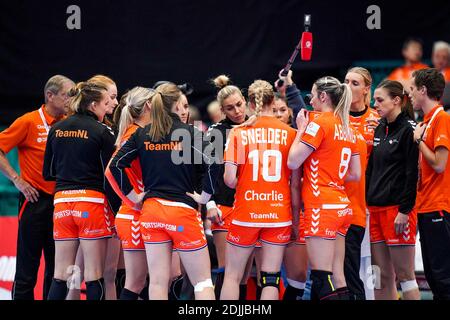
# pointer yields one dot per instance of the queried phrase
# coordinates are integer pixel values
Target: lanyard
(44, 121)
(431, 120)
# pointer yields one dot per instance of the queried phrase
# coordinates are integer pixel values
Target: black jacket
(392, 172)
(224, 195)
(77, 152)
(168, 166)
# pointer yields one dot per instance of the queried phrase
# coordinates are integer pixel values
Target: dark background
(139, 42)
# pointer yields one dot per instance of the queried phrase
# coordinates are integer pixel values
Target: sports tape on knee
(296, 284)
(408, 285)
(199, 287)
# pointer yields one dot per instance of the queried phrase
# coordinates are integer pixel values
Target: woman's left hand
(400, 222)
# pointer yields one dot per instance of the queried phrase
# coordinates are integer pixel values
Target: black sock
(128, 295)
(258, 292)
(220, 275)
(120, 281)
(345, 294)
(144, 293)
(242, 292)
(322, 287)
(292, 293)
(175, 288)
(95, 290)
(58, 290)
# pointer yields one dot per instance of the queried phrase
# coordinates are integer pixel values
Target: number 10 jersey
(260, 152)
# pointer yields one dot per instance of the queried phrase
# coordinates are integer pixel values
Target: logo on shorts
(159, 225)
(330, 233)
(282, 237)
(233, 238)
(85, 215)
(146, 237)
(190, 244)
(95, 231)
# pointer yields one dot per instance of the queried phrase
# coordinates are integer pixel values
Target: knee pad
(270, 279)
(408, 285)
(95, 290)
(202, 285)
(322, 286)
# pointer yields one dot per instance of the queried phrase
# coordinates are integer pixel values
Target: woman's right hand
(215, 216)
(302, 120)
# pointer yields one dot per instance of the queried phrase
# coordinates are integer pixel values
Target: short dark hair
(408, 41)
(431, 79)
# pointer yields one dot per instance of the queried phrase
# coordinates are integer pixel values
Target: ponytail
(166, 96)
(343, 107)
(131, 108)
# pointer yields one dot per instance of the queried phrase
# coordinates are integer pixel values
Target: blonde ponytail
(131, 108)
(343, 107)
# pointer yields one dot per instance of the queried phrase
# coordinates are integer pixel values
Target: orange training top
(29, 134)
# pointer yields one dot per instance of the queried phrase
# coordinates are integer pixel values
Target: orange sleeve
(395, 74)
(230, 155)
(442, 134)
(313, 135)
(14, 135)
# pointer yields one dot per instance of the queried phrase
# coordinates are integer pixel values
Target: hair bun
(221, 81)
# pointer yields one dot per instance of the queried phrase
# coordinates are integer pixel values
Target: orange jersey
(446, 73)
(404, 73)
(356, 191)
(359, 123)
(260, 152)
(325, 169)
(134, 173)
(433, 193)
(29, 134)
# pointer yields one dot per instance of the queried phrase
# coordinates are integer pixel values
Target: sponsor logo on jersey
(263, 215)
(172, 146)
(312, 129)
(251, 195)
(345, 212)
(82, 134)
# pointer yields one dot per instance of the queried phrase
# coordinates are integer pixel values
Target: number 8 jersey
(260, 152)
(325, 169)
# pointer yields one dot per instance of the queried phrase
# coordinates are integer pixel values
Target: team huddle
(280, 185)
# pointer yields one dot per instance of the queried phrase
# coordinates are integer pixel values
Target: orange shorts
(248, 236)
(164, 221)
(327, 223)
(81, 214)
(301, 230)
(382, 227)
(226, 218)
(128, 228)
